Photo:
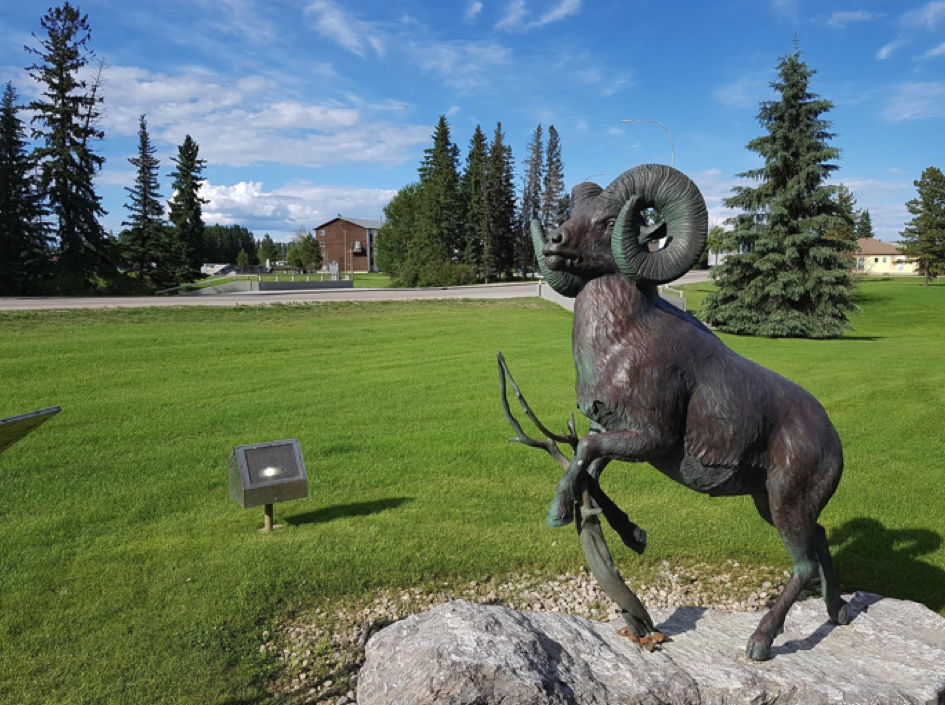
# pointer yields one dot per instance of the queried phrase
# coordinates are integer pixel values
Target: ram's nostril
(557, 237)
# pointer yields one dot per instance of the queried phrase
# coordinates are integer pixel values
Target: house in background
(351, 242)
(875, 257)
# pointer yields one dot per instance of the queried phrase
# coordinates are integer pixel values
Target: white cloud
(454, 110)
(895, 170)
(300, 204)
(616, 85)
(788, 9)
(462, 64)
(743, 93)
(472, 10)
(913, 101)
(514, 16)
(353, 34)
(841, 19)
(244, 123)
(615, 132)
(937, 51)
(563, 9)
(926, 17)
(889, 48)
(115, 177)
(239, 18)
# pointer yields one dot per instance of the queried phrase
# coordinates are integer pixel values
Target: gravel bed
(320, 654)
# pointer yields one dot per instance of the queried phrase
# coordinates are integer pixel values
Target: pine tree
(473, 191)
(786, 280)
(554, 183)
(864, 225)
(143, 243)
(66, 115)
(846, 210)
(398, 242)
(267, 250)
(924, 237)
(531, 201)
(186, 214)
(23, 237)
(442, 204)
(500, 207)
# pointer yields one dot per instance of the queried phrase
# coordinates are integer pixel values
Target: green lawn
(127, 575)
(364, 280)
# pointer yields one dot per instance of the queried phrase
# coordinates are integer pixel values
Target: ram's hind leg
(800, 539)
(837, 607)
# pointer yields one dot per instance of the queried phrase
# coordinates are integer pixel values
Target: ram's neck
(605, 314)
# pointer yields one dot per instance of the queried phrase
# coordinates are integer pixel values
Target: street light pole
(672, 146)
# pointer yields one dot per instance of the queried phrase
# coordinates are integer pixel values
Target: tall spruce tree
(65, 121)
(786, 279)
(864, 225)
(144, 245)
(531, 201)
(846, 210)
(474, 205)
(442, 204)
(554, 183)
(184, 251)
(924, 237)
(500, 208)
(267, 250)
(23, 236)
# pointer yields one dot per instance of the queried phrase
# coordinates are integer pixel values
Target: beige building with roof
(881, 258)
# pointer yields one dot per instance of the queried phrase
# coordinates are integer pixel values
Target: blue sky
(306, 109)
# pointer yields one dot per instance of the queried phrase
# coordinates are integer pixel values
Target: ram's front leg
(630, 445)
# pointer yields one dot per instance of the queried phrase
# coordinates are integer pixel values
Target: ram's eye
(610, 223)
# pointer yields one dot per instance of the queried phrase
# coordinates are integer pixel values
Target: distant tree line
(453, 227)
(51, 238)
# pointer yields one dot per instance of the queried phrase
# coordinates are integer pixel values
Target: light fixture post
(672, 145)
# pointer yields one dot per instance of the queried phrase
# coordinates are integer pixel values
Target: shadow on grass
(873, 558)
(340, 511)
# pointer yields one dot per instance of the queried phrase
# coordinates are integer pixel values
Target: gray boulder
(465, 654)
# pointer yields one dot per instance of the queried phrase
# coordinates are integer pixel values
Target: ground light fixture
(266, 473)
(12, 429)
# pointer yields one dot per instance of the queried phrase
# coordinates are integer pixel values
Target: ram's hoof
(757, 651)
(559, 515)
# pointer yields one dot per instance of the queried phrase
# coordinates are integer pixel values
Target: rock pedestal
(465, 654)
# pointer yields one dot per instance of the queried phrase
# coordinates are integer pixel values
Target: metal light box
(265, 473)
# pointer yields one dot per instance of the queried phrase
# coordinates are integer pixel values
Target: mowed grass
(127, 575)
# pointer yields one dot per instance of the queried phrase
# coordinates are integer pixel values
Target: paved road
(254, 298)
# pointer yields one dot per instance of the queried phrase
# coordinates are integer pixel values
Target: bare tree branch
(549, 444)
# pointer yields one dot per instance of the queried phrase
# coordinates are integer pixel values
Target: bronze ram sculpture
(659, 387)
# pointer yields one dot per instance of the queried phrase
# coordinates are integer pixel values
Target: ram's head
(607, 233)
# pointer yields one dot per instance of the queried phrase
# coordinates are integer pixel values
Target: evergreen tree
(398, 240)
(924, 237)
(222, 243)
(65, 120)
(441, 222)
(473, 191)
(844, 231)
(23, 236)
(554, 183)
(267, 250)
(304, 252)
(531, 202)
(143, 244)
(864, 225)
(786, 279)
(499, 208)
(186, 214)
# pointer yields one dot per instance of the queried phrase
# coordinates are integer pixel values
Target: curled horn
(564, 283)
(684, 213)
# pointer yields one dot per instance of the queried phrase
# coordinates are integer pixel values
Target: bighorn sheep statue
(659, 387)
